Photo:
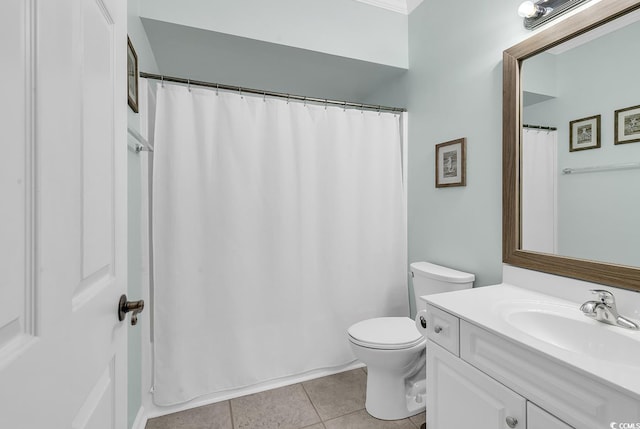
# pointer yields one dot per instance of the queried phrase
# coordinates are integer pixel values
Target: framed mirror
(566, 82)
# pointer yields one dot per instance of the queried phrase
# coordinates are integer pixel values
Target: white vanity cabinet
(460, 396)
(469, 385)
(537, 418)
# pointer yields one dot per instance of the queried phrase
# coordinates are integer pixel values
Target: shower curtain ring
(288, 96)
(217, 89)
(240, 91)
(325, 104)
(264, 97)
(362, 109)
(188, 85)
(305, 101)
(345, 107)
(379, 109)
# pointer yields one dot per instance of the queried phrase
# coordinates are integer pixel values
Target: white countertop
(486, 307)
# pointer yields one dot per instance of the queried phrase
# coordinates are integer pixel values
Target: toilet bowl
(394, 350)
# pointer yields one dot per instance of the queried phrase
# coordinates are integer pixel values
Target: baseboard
(141, 420)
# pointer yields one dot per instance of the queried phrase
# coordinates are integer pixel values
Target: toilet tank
(431, 278)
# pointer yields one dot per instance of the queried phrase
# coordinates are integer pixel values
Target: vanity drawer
(443, 329)
(537, 418)
(573, 397)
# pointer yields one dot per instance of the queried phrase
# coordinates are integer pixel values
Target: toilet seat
(386, 333)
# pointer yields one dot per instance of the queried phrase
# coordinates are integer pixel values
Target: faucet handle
(605, 296)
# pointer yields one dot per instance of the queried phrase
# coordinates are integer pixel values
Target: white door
(461, 396)
(62, 214)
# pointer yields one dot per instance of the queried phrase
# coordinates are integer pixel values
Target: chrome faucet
(605, 310)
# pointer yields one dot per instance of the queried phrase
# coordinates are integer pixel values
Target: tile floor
(333, 402)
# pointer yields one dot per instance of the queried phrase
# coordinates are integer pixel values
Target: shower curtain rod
(540, 127)
(240, 89)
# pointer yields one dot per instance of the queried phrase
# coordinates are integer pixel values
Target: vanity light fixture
(537, 13)
(529, 9)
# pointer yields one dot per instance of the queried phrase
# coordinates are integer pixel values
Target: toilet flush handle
(423, 321)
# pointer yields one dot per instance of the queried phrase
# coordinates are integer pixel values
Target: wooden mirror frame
(598, 272)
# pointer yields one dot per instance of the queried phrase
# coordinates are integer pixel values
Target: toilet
(394, 350)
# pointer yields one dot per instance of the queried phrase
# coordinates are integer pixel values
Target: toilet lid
(389, 333)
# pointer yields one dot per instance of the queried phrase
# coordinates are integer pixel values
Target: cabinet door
(537, 418)
(460, 396)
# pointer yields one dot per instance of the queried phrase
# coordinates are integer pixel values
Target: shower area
(540, 185)
(275, 222)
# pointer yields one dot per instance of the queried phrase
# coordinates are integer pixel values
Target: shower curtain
(276, 226)
(539, 190)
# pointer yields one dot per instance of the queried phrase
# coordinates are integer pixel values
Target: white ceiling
(400, 6)
(607, 28)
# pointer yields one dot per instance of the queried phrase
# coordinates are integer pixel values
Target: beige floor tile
(284, 408)
(362, 420)
(337, 399)
(214, 416)
(338, 394)
(419, 419)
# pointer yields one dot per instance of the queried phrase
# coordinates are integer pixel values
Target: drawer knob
(512, 422)
(437, 329)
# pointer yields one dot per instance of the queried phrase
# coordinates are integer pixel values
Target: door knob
(135, 307)
(512, 422)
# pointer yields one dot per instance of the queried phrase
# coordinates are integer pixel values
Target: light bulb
(528, 9)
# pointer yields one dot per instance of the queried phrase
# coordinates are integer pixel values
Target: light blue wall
(214, 56)
(540, 76)
(455, 90)
(333, 49)
(597, 212)
(343, 28)
(138, 36)
(146, 61)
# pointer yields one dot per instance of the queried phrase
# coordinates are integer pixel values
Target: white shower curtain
(276, 226)
(539, 190)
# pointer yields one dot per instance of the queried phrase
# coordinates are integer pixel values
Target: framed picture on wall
(627, 125)
(451, 163)
(584, 133)
(132, 76)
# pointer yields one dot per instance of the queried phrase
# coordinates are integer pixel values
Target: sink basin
(565, 327)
